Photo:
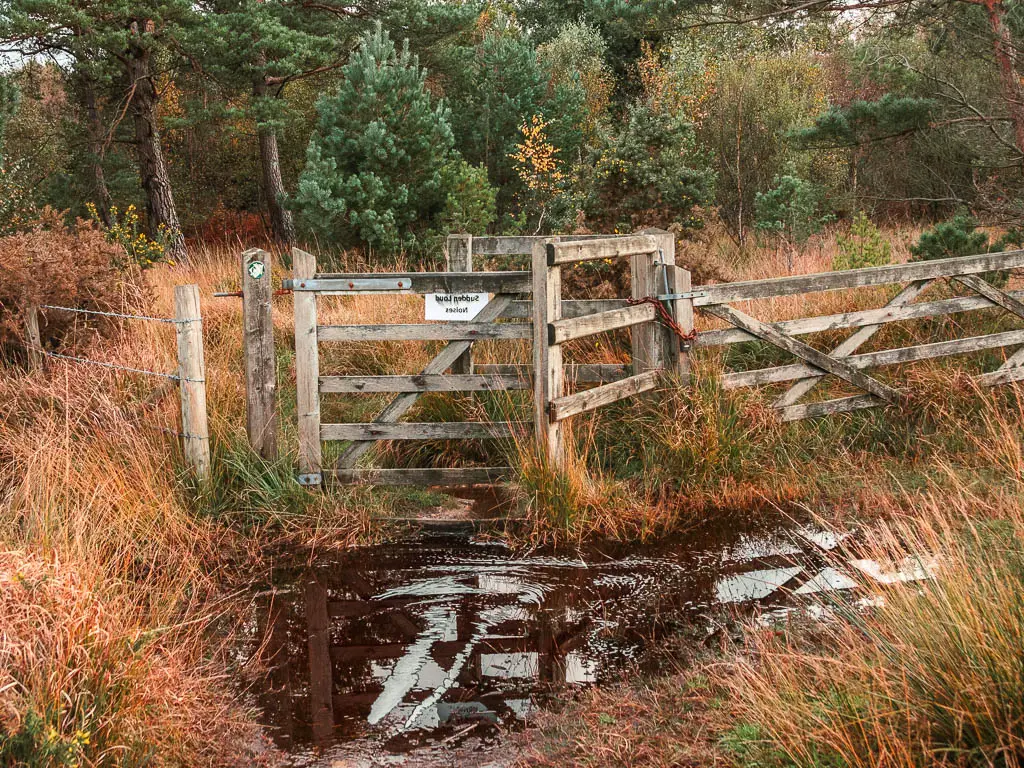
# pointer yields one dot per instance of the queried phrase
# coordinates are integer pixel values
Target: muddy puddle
(429, 651)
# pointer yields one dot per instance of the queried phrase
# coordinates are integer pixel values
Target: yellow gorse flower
(124, 230)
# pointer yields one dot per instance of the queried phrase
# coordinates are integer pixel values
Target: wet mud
(429, 651)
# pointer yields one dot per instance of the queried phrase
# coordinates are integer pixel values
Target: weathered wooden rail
(308, 285)
(655, 349)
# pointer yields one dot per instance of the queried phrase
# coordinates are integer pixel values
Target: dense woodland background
(384, 125)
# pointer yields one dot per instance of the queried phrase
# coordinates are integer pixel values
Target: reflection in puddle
(415, 644)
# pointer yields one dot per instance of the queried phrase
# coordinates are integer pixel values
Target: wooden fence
(718, 301)
(309, 286)
(660, 290)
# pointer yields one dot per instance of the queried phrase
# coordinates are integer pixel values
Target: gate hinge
(311, 478)
(684, 295)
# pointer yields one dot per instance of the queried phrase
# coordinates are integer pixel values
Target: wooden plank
(805, 325)
(307, 367)
(518, 245)
(993, 294)
(1007, 372)
(33, 339)
(523, 310)
(434, 430)
(578, 373)
(1002, 376)
(818, 359)
(565, 330)
(646, 341)
(192, 379)
(260, 357)
(421, 383)
(850, 345)
(547, 358)
(588, 400)
(337, 284)
(446, 476)
(425, 332)
(828, 407)
(605, 248)
(444, 360)
(878, 359)
(321, 682)
(505, 245)
(674, 280)
(857, 278)
(460, 259)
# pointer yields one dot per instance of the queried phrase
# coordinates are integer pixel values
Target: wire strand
(170, 320)
(114, 366)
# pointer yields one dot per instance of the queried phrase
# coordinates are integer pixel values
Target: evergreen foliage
(374, 165)
(959, 236)
(865, 246)
(888, 117)
(650, 173)
(10, 96)
(791, 209)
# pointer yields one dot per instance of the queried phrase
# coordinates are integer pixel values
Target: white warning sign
(455, 306)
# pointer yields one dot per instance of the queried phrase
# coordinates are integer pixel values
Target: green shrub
(469, 198)
(375, 163)
(957, 237)
(960, 237)
(650, 173)
(865, 246)
(791, 209)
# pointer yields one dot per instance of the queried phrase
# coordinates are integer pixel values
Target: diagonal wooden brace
(803, 351)
(850, 345)
(1007, 302)
(993, 294)
(401, 404)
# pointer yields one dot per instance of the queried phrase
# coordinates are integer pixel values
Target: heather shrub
(54, 264)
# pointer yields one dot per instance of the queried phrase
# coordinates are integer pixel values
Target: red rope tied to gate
(666, 319)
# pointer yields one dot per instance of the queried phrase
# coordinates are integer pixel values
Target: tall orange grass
(933, 677)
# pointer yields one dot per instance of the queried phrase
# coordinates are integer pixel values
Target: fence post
(682, 311)
(258, 347)
(547, 358)
(33, 339)
(675, 280)
(192, 378)
(646, 338)
(460, 259)
(307, 372)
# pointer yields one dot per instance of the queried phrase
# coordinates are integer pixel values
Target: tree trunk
(1006, 58)
(281, 223)
(156, 182)
(95, 133)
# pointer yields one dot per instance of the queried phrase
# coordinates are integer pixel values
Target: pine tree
(262, 47)
(121, 46)
(373, 172)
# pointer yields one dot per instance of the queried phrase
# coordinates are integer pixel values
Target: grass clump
(935, 677)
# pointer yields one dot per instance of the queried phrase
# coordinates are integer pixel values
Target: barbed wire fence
(190, 375)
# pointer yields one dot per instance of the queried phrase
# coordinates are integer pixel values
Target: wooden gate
(453, 370)
(841, 361)
(660, 291)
